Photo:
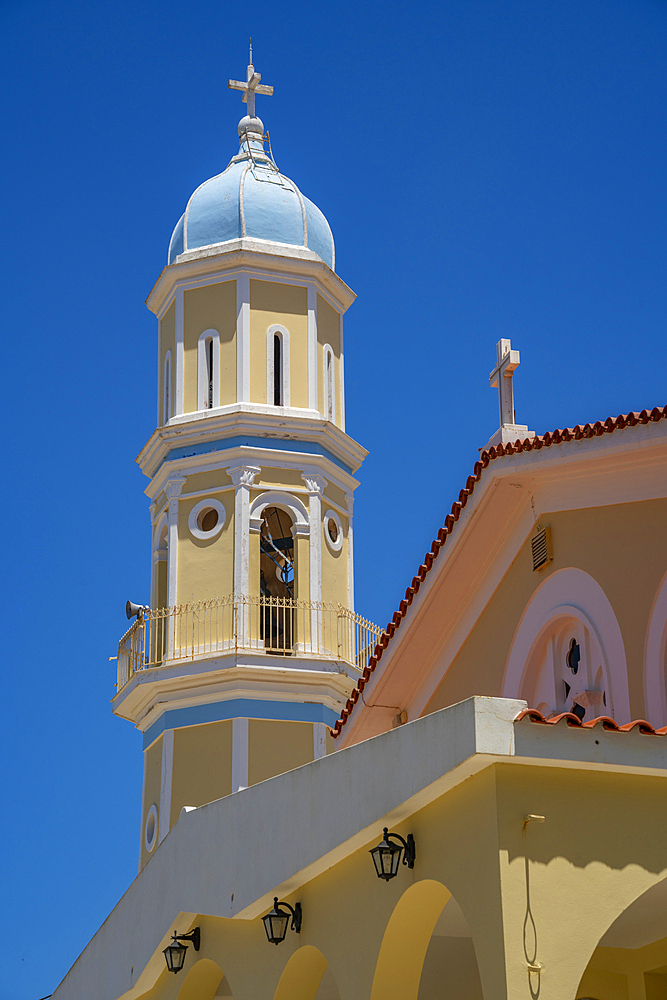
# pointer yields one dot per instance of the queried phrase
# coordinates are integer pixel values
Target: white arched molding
(655, 660)
(329, 383)
(284, 375)
(167, 397)
(208, 370)
(571, 598)
(287, 502)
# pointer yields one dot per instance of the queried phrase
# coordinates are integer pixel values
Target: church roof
(251, 198)
(579, 433)
(569, 718)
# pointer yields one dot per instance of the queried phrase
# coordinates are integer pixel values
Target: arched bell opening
(426, 951)
(307, 976)
(631, 956)
(205, 981)
(277, 570)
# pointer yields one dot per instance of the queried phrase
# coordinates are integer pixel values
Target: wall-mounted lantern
(275, 922)
(387, 854)
(174, 953)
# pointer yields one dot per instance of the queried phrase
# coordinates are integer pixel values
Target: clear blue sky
(490, 169)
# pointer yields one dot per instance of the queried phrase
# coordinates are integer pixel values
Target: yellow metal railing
(277, 625)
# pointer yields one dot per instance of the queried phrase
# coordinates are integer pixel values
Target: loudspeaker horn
(134, 610)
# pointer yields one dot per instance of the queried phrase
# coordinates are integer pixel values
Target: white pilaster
(239, 754)
(319, 740)
(315, 484)
(350, 560)
(242, 476)
(342, 379)
(312, 347)
(243, 338)
(172, 489)
(166, 783)
(179, 351)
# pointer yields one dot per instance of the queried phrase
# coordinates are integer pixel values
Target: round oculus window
(206, 519)
(150, 830)
(333, 531)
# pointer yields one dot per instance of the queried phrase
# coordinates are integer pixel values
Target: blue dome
(251, 198)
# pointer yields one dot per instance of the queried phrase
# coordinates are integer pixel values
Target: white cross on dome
(251, 87)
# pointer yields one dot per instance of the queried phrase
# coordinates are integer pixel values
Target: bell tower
(249, 645)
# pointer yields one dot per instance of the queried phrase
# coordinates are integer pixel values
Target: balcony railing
(276, 625)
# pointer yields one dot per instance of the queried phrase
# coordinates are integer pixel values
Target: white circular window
(333, 531)
(150, 830)
(206, 518)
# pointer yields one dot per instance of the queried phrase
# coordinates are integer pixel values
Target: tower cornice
(262, 257)
(192, 429)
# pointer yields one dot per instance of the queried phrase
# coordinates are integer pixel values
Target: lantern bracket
(408, 847)
(194, 936)
(297, 914)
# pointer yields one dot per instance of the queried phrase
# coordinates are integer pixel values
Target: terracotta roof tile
(645, 728)
(578, 433)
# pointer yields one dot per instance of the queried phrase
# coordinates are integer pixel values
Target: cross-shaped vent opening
(540, 545)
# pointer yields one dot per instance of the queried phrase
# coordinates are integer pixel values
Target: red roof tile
(645, 728)
(578, 433)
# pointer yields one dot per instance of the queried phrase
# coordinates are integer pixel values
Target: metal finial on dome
(251, 87)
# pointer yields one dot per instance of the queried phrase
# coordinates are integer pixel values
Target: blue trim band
(239, 708)
(243, 441)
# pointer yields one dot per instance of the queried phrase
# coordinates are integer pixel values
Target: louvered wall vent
(541, 547)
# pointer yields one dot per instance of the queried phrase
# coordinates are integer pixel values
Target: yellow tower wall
(273, 303)
(206, 566)
(151, 792)
(275, 747)
(202, 770)
(211, 307)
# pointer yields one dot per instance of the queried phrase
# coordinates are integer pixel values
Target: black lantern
(174, 953)
(275, 922)
(387, 854)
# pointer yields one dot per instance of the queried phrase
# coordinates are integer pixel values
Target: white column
(166, 783)
(143, 808)
(172, 489)
(350, 560)
(342, 379)
(239, 754)
(319, 740)
(242, 476)
(243, 338)
(178, 352)
(312, 347)
(315, 484)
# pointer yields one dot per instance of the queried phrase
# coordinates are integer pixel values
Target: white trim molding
(655, 659)
(242, 477)
(239, 754)
(288, 502)
(167, 395)
(208, 381)
(173, 488)
(571, 595)
(336, 546)
(194, 518)
(329, 383)
(276, 330)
